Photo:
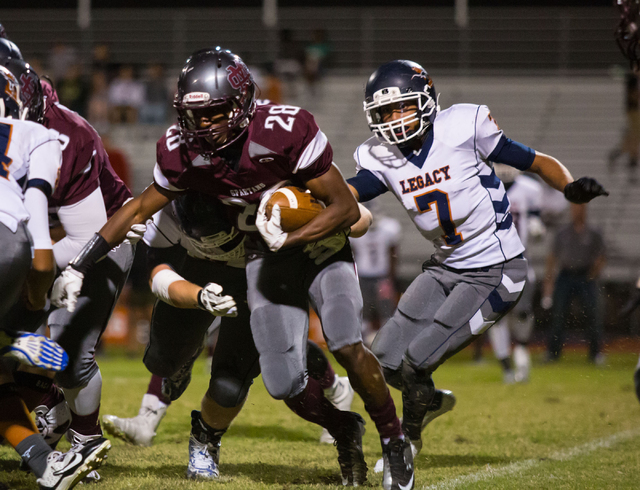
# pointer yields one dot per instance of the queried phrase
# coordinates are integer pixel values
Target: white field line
(521, 466)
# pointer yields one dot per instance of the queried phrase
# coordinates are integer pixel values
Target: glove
(209, 299)
(67, 288)
(325, 248)
(583, 190)
(135, 234)
(270, 229)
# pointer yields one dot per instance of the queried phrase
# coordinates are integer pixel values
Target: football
(297, 207)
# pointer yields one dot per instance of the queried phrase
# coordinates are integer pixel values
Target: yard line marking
(527, 464)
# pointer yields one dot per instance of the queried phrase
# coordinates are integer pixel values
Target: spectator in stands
(126, 96)
(316, 54)
(61, 58)
(376, 255)
(101, 61)
(73, 90)
(157, 98)
(578, 257)
(98, 109)
(288, 64)
(630, 141)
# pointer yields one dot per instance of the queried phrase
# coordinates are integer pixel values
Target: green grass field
(574, 426)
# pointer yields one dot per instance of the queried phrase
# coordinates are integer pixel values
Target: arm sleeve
(367, 185)
(36, 203)
(513, 154)
(80, 222)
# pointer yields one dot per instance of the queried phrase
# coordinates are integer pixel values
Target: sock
(319, 367)
(86, 425)
(155, 388)
(386, 420)
(312, 406)
(506, 364)
(33, 388)
(34, 451)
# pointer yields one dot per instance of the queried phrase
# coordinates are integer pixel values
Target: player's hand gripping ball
(297, 207)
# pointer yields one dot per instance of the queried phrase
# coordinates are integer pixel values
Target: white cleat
(203, 463)
(522, 360)
(33, 350)
(141, 429)
(66, 470)
(341, 396)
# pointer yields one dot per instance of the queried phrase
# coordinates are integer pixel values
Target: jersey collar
(419, 159)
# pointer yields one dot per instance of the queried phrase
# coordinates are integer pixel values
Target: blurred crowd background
(549, 71)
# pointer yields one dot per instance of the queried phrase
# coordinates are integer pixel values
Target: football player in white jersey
(30, 158)
(525, 196)
(437, 165)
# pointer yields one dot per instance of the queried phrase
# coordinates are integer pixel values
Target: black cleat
(348, 441)
(397, 465)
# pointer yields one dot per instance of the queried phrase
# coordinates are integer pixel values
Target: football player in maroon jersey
(88, 191)
(227, 147)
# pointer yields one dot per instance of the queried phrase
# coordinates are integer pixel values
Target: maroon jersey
(85, 164)
(283, 143)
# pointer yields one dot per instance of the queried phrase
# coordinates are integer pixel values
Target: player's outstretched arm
(360, 227)
(175, 290)
(558, 176)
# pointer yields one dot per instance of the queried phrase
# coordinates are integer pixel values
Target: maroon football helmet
(215, 86)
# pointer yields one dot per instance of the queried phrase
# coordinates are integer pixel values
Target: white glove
(325, 248)
(270, 229)
(67, 288)
(209, 299)
(135, 234)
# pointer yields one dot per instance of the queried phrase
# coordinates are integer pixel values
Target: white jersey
(29, 152)
(525, 196)
(165, 232)
(452, 194)
(373, 250)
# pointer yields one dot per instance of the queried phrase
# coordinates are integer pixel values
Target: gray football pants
(280, 287)
(15, 262)
(442, 311)
(79, 332)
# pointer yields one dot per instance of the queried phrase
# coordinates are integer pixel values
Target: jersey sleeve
(163, 231)
(44, 166)
(487, 132)
(308, 147)
(369, 182)
(169, 168)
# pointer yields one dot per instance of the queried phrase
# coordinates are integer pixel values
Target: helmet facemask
(398, 131)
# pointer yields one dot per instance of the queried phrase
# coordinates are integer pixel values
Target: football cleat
(341, 396)
(78, 442)
(348, 441)
(66, 470)
(141, 429)
(397, 472)
(443, 402)
(33, 350)
(522, 360)
(52, 423)
(204, 451)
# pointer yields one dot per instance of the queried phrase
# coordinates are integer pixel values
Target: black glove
(583, 190)
(631, 304)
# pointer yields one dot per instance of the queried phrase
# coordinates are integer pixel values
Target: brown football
(297, 207)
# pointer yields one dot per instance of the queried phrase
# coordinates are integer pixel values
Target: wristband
(200, 302)
(94, 250)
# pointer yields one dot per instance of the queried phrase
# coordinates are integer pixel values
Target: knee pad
(281, 375)
(228, 391)
(393, 377)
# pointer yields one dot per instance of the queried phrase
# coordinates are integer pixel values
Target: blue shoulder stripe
(513, 154)
(367, 185)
